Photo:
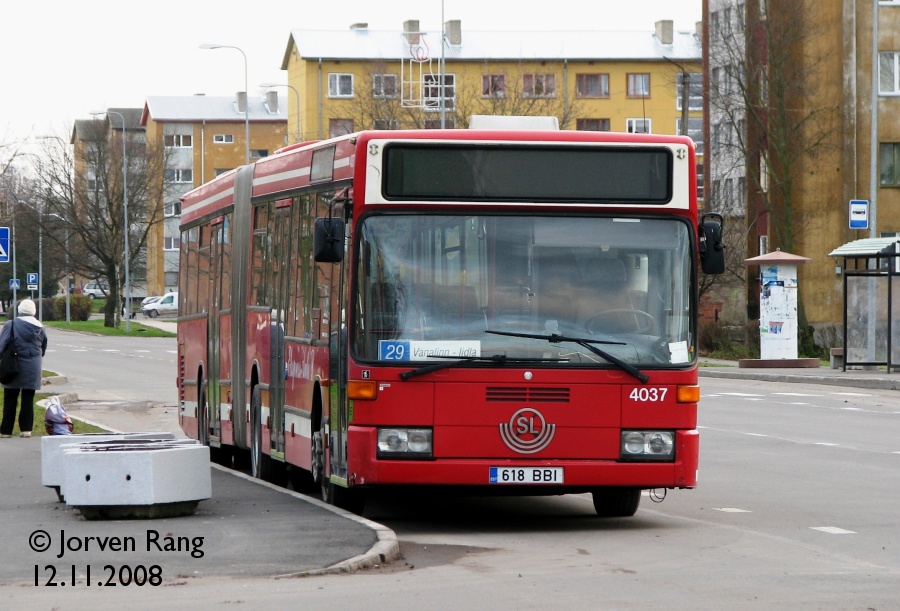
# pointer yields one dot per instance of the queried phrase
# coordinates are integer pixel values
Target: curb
(856, 382)
(385, 550)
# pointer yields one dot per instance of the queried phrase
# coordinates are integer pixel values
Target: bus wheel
(616, 502)
(258, 460)
(262, 466)
(202, 417)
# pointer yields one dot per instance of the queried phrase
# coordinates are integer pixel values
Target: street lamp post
(40, 257)
(297, 93)
(64, 220)
(207, 45)
(126, 228)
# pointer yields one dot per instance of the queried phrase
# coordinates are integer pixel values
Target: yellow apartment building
(826, 46)
(203, 136)
(359, 78)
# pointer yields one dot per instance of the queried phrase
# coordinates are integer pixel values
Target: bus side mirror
(328, 240)
(712, 248)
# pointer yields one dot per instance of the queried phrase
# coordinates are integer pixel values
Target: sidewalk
(857, 378)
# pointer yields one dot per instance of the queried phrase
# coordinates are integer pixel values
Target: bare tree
(768, 126)
(378, 103)
(84, 185)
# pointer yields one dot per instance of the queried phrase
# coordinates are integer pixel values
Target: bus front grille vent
(524, 394)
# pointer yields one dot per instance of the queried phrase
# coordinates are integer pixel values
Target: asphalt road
(794, 510)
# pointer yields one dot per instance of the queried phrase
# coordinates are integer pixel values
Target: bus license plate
(526, 475)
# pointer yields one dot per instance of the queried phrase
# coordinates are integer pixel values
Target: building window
(700, 181)
(694, 132)
(223, 139)
(449, 123)
(171, 243)
(386, 124)
(592, 125)
(539, 86)
(258, 153)
(384, 86)
(172, 208)
(695, 91)
(178, 141)
(433, 92)
(340, 85)
(592, 85)
(493, 86)
(889, 164)
(339, 127)
(220, 171)
(637, 126)
(638, 85)
(178, 176)
(889, 73)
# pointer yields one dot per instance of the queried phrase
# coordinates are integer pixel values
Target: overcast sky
(62, 59)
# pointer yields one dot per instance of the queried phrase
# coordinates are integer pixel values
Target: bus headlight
(648, 445)
(404, 443)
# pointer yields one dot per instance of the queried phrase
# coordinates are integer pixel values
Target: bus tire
(259, 466)
(262, 466)
(616, 502)
(219, 456)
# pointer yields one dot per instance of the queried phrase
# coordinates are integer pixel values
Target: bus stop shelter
(871, 273)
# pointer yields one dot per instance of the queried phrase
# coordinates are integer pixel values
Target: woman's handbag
(9, 360)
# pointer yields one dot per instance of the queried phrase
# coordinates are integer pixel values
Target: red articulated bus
(494, 311)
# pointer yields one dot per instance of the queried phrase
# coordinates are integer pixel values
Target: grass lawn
(38, 429)
(96, 326)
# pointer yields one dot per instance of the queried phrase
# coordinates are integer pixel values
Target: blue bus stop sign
(4, 244)
(859, 214)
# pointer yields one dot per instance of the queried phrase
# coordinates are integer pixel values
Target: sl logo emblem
(527, 432)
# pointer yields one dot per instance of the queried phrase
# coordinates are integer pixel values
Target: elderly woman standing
(31, 344)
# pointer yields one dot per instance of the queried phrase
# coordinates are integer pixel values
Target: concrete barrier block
(155, 479)
(52, 450)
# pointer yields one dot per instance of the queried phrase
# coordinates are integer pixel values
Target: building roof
(361, 43)
(194, 108)
(868, 247)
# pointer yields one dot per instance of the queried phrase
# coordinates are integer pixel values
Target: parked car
(148, 300)
(165, 305)
(95, 290)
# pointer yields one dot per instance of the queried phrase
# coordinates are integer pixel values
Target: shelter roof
(868, 247)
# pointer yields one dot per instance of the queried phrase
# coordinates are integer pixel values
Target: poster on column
(778, 312)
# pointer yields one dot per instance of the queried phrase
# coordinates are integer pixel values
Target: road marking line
(852, 394)
(822, 443)
(741, 394)
(833, 530)
(756, 435)
(795, 394)
(731, 510)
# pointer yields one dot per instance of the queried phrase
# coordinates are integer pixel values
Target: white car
(165, 305)
(95, 290)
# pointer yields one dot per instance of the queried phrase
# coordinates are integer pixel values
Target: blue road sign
(15, 283)
(31, 278)
(4, 244)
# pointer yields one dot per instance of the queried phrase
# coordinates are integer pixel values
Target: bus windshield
(432, 286)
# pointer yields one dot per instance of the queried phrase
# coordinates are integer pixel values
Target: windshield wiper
(496, 358)
(555, 338)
